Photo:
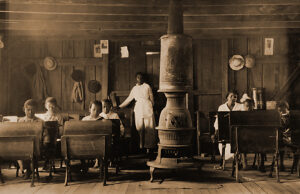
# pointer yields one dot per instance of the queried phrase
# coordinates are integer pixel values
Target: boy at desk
(29, 110)
(107, 113)
(95, 109)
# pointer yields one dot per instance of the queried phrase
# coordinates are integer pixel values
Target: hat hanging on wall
(77, 75)
(50, 63)
(94, 86)
(249, 61)
(236, 62)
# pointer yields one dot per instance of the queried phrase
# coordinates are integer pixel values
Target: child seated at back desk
(283, 109)
(29, 109)
(107, 113)
(94, 109)
(52, 113)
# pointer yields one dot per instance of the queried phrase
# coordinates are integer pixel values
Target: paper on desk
(10, 119)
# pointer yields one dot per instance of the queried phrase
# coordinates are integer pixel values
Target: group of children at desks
(248, 104)
(142, 94)
(98, 110)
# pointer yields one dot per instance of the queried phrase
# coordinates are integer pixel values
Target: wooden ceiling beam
(153, 10)
(148, 18)
(133, 26)
(151, 2)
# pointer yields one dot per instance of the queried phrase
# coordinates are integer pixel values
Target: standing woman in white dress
(143, 111)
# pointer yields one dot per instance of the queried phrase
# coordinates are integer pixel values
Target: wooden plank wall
(212, 75)
(21, 55)
(270, 72)
(211, 81)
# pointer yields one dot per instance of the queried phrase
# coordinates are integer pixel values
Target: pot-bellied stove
(175, 130)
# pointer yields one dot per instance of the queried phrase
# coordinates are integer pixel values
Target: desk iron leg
(237, 167)
(152, 170)
(233, 166)
(277, 156)
(37, 171)
(1, 176)
(105, 171)
(272, 166)
(298, 168)
(223, 156)
(32, 170)
(67, 172)
(277, 167)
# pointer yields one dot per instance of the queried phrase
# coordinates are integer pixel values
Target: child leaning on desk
(29, 110)
(95, 108)
(107, 113)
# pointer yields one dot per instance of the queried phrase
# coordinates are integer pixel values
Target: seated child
(248, 105)
(107, 113)
(52, 113)
(95, 109)
(29, 109)
(283, 109)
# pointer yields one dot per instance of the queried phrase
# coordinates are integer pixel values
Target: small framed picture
(104, 46)
(269, 46)
(97, 51)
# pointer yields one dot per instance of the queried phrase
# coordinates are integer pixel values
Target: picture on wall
(97, 51)
(269, 46)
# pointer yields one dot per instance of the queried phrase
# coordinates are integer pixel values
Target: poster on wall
(104, 46)
(124, 52)
(269, 46)
(97, 51)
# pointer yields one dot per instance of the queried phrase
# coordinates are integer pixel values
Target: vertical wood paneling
(104, 75)
(269, 79)
(54, 78)
(155, 70)
(67, 82)
(149, 69)
(79, 48)
(255, 74)
(89, 48)
(53, 84)
(90, 75)
(224, 62)
(79, 52)
(54, 48)
(240, 47)
(67, 85)
(99, 77)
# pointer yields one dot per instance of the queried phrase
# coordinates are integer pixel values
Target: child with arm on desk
(107, 113)
(29, 110)
(95, 109)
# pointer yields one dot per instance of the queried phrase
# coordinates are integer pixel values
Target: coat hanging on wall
(77, 91)
(39, 85)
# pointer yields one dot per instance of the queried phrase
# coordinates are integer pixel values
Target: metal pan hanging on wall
(94, 86)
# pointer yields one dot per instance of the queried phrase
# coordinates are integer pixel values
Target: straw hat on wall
(249, 61)
(236, 62)
(50, 63)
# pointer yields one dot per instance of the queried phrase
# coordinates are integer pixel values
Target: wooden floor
(134, 178)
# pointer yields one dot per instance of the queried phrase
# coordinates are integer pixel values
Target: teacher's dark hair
(139, 73)
(231, 92)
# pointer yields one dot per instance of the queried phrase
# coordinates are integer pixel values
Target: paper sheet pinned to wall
(124, 52)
